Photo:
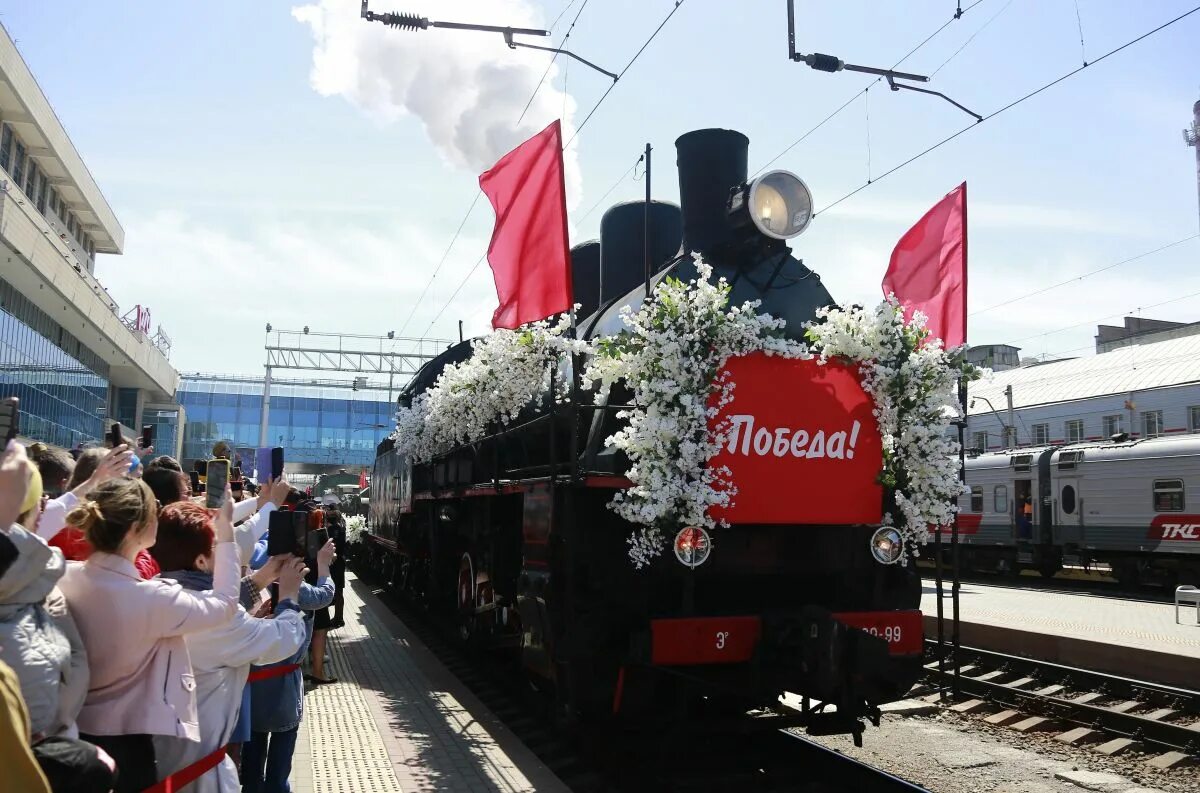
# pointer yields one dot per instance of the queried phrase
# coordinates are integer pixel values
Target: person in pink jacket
(142, 682)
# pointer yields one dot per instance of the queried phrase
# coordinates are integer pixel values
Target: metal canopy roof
(1139, 367)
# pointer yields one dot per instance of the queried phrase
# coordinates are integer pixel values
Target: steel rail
(1158, 732)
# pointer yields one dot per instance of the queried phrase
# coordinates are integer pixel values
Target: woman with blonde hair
(142, 683)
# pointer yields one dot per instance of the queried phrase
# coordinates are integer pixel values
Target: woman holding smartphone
(142, 682)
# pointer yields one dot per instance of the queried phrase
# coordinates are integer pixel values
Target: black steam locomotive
(512, 540)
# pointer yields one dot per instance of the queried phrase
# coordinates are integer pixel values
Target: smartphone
(236, 476)
(287, 532)
(147, 436)
(218, 477)
(197, 488)
(10, 418)
(276, 462)
(316, 540)
(115, 438)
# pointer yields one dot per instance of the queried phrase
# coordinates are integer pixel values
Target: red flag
(362, 479)
(928, 271)
(528, 252)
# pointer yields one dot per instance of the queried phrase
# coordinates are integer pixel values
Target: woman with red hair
(221, 656)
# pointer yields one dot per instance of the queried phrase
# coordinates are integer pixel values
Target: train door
(1070, 496)
(1022, 510)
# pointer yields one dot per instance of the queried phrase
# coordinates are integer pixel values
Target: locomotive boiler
(512, 540)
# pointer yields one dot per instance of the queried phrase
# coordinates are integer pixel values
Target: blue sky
(255, 186)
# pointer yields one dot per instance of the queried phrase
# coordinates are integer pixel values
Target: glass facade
(62, 385)
(322, 425)
(166, 424)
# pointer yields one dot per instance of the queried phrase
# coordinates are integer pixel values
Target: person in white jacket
(221, 657)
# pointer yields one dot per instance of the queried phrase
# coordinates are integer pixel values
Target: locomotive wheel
(466, 597)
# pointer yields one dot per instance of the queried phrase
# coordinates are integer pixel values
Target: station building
(1145, 385)
(76, 360)
(321, 424)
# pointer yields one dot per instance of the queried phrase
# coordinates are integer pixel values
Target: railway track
(764, 759)
(1082, 707)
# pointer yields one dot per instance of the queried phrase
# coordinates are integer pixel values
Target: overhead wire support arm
(895, 86)
(830, 63)
(415, 22)
(508, 39)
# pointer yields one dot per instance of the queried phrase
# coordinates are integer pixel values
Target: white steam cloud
(467, 88)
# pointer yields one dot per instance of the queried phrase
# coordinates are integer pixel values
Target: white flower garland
(507, 370)
(675, 345)
(913, 381)
(670, 355)
(356, 526)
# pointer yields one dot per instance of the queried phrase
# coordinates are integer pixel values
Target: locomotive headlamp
(777, 203)
(886, 545)
(692, 546)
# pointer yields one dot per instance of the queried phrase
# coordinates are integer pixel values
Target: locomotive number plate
(704, 640)
(901, 629)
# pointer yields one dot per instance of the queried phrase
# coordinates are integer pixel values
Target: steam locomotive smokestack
(711, 161)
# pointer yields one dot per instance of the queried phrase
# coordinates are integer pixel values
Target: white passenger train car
(1132, 504)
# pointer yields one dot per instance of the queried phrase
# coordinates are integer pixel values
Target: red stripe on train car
(730, 640)
(617, 482)
(903, 630)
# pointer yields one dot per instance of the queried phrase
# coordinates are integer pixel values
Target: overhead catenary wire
(562, 13)
(561, 45)
(620, 74)
(608, 192)
(479, 261)
(1101, 319)
(454, 294)
(1082, 276)
(475, 199)
(1005, 108)
(440, 263)
(971, 38)
(592, 112)
(960, 12)
(1082, 46)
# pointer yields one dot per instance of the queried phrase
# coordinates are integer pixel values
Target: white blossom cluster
(670, 356)
(356, 526)
(912, 380)
(507, 370)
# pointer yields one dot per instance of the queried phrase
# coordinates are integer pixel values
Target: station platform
(396, 721)
(1132, 638)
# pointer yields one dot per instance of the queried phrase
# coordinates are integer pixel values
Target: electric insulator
(403, 21)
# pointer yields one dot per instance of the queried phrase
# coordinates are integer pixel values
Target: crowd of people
(147, 642)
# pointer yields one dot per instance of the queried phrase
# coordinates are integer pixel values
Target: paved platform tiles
(1130, 623)
(397, 722)
(1124, 637)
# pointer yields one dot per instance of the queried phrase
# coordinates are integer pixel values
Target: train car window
(1022, 462)
(1000, 499)
(1068, 460)
(1068, 499)
(1168, 495)
(976, 498)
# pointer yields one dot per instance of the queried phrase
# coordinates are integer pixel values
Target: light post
(1009, 435)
